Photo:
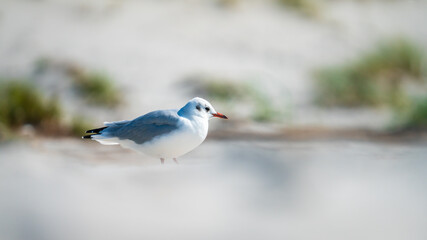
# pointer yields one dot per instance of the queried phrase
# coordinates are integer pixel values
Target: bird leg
(162, 160)
(176, 161)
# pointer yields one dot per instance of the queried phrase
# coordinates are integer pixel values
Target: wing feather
(147, 127)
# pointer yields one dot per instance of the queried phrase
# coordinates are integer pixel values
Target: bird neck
(200, 125)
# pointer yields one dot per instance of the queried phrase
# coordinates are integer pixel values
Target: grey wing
(116, 124)
(149, 126)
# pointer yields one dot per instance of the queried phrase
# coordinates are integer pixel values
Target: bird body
(163, 133)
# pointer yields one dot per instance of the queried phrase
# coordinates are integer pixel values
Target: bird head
(199, 107)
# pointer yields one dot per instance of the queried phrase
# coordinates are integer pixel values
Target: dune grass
(377, 78)
(79, 125)
(217, 88)
(417, 118)
(227, 3)
(306, 7)
(414, 117)
(264, 109)
(232, 93)
(6, 134)
(374, 79)
(21, 103)
(96, 88)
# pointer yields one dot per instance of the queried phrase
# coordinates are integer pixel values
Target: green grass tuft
(217, 88)
(97, 88)
(306, 7)
(414, 117)
(374, 79)
(227, 3)
(230, 92)
(79, 125)
(264, 110)
(6, 133)
(21, 104)
(418, 117)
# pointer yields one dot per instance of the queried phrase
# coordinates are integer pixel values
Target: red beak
(219, 115)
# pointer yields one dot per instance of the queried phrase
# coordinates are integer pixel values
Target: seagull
(162, 133)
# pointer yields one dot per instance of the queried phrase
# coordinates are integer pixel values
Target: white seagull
(163, 133)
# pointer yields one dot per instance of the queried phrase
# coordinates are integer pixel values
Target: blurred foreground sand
(223, 190)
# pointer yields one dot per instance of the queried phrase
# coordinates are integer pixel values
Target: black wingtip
(96, 130)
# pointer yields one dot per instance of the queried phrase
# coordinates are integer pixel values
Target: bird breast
(189, 135)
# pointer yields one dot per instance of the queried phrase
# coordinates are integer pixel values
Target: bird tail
(106, 135)
(97, 134)
(95, 131)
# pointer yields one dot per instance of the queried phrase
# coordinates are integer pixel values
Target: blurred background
(326, 137)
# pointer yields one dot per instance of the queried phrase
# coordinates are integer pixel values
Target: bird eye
(198, 107)
(207, 109)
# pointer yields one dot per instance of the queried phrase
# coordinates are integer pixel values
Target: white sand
(232, 190)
